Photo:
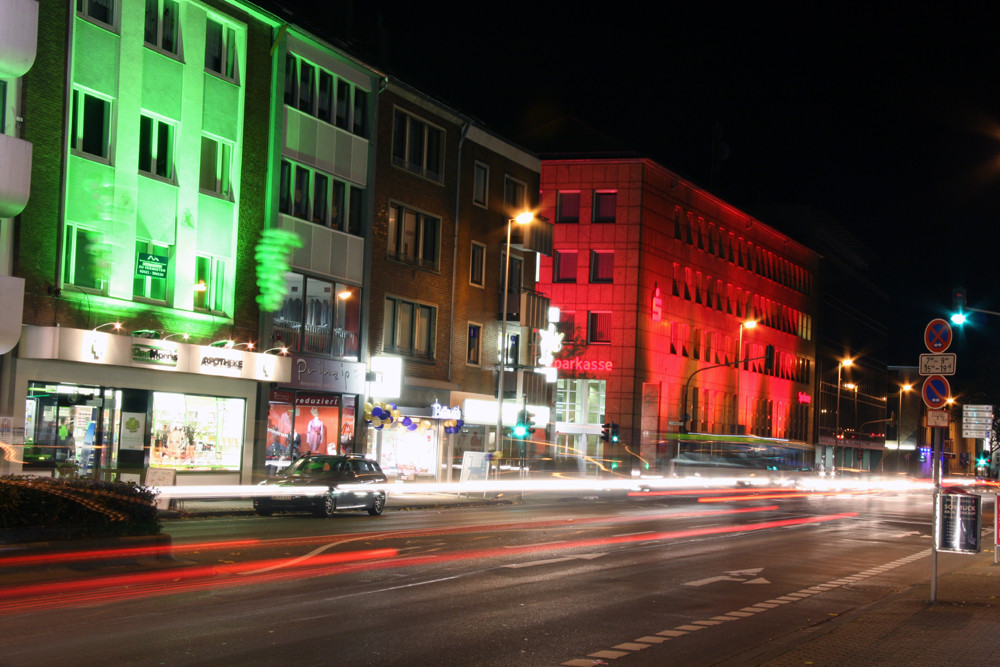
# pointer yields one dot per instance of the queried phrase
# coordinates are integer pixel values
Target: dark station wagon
(350, 482)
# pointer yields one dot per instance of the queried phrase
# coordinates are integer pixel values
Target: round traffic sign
(937, 335)
(936, 391)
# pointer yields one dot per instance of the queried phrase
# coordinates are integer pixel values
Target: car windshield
(315, 465)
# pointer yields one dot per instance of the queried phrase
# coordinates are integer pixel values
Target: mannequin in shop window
(315, 432)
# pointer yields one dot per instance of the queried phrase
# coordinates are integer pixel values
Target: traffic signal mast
(768, 368)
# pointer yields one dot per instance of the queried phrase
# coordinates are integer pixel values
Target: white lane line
(641, 532)
(621, 650)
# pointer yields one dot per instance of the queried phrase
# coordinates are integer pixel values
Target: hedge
(41, 509)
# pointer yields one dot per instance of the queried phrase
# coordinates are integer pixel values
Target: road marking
(732, 575)
(641, 532)
(549, 561)
(621, 650)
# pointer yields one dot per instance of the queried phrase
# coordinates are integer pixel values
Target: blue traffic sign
(937, 335)
(936, 391)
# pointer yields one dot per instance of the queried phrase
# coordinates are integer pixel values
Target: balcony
(15, 175)
(529, 309)
(19, 36)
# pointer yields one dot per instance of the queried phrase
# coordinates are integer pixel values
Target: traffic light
(529, 421)
(521, 428)
(606, 432)
(614, 432)
(958, 305)
(769, 359)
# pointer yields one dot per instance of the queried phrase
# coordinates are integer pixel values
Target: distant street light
(748, 324)
(836, 424)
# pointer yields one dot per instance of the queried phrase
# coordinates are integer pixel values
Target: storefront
(115, 406)
(314, 411)
(416, 444)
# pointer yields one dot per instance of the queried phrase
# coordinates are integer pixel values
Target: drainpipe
(454, 255)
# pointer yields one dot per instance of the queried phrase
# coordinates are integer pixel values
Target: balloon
(412, 426)
(459, 423)
(425, 424)
(395, 413)
(407, 421)
(368, 407)
(376, 422)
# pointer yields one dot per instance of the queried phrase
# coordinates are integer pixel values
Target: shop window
(210, 283)
(474, 344)
(413, 236)
(220, 49)
(102, 11)
(216, 167)
(477, 265)
(161, 25)
(568, 207)
(564, 266)
(408, 328)
(191, 432)
(156, 147)
(149, 280)
(602, 266)
(90, 124)
(604, 206)
(599, 327)
(64, 426)
(86, 258)
(417, 146)
(480, 184)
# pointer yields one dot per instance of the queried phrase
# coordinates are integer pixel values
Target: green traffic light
(520, 431)
(959, 318)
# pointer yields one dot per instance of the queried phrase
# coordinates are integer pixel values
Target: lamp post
(522, 219)
(748, 324)
(836, 423)
(899, 425)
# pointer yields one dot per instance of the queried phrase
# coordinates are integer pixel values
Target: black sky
(886, 115)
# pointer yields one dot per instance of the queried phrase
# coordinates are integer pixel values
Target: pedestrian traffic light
(606, 432)
(769, 359)
(614, 432)
(958, 305)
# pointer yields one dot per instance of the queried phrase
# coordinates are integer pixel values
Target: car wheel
(329, 506)
(378, 504)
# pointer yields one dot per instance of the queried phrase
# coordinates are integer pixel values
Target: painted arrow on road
(734, 575)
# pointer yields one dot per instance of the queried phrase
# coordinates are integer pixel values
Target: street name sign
(942, 363)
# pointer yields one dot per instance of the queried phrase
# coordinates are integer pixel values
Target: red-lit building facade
(656, 281)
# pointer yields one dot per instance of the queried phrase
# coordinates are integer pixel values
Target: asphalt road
(548, 581)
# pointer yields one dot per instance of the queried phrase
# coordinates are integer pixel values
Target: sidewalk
(961, 628)
(394, 502)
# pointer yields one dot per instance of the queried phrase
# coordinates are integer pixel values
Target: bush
(41, 508)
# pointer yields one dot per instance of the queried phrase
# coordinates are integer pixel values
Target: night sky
(886, 115)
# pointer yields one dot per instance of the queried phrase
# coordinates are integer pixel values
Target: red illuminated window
(602, 266)
(599, 327)
(605, 204)
(568, 207)
(564, 266)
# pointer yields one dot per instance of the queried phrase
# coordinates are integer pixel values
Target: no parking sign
(936, 391)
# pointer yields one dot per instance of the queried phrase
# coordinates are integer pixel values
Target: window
(599, 328)
(477, 265)
(474, 344)
(602, 266)
(604, 206)
(216, 166)
(220, 49)
(408, 328)
(209, 283)
(417, 146)
(515, 195)
(413, 236)
(312, 195)
(150, 278)
(86, 258)
(564, 266)
(90, 124)
(319, 93)
(156, 147)
(99, 10)
(480, 184)
(568, 207)
(161, 25)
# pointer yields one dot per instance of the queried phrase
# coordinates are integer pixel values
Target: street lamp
(836, 424)
(899, 424)
(748, 324)
(522, 219)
